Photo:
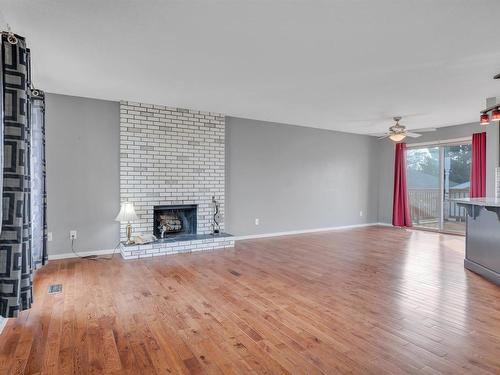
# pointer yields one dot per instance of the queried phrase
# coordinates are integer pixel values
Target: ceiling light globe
(397, 137)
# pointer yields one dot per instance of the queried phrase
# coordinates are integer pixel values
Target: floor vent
(235, 273)
(55, 288)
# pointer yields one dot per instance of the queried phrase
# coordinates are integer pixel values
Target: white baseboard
(303, 231)
(82, 253)
(385, 224)
(236, 238)
(3, 323)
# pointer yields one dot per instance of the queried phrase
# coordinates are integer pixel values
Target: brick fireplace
(171, 157)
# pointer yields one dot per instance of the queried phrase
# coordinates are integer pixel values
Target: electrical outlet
(360, 213)
(257, 221)
(72, 234)
(49, 236)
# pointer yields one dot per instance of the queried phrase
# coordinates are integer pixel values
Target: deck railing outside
(425, 205)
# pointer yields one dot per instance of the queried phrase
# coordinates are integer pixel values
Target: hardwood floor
(371, 300)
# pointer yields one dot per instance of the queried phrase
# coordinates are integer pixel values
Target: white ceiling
(344, 65)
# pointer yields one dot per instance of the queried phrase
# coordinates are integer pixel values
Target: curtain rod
(440, 142)
(11, 37)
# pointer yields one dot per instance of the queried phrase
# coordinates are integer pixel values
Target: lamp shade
(495, 115)
(397, 137)
(484, 119)
(127, 213)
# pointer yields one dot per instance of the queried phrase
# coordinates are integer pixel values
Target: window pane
(423, 186)
(457, 162)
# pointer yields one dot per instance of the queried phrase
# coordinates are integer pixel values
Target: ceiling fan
(398, 132)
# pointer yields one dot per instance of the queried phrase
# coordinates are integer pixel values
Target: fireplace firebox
(170, 221)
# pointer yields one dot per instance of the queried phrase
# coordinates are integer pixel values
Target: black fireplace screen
(169, 221)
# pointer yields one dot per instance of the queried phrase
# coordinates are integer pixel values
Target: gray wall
(289, 177)
(295, 178)
(82, 137)
(386, 160)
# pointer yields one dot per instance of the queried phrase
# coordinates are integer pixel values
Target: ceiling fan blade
(425, 130)
(384, 136)
(413, 135)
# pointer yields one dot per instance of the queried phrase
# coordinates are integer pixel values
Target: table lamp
(127, 214)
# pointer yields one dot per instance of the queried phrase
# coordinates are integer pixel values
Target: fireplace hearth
(170, 221)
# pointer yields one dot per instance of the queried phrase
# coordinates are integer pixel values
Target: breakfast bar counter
(482, 244)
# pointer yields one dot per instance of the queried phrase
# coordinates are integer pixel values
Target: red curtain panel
(478, 167)
(400, 207)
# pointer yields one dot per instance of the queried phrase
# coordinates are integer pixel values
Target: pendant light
(485, 119)
(495, 115)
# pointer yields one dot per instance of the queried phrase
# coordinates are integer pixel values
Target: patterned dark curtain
(18, 108)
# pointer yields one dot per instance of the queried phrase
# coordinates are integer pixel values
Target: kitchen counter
(485, 202)
(482, 243)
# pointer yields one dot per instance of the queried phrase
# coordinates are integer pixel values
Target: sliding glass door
(423, 174)
(436, 175)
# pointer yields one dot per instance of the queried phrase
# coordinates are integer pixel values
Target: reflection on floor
(448, 226)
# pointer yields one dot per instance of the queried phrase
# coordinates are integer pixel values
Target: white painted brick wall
(170, 156)
(169, 248)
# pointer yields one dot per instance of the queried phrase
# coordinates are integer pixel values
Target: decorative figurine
(217, 217)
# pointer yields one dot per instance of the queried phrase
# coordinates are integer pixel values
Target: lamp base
(129, 234)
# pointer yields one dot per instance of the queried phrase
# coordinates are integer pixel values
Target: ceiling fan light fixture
(397, 137)
(495, 115)
(484, 119)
